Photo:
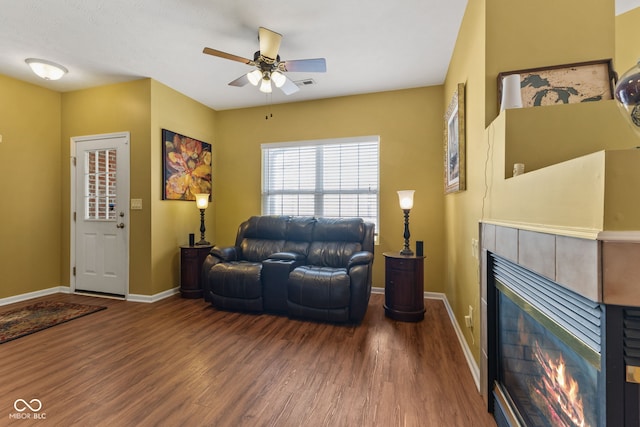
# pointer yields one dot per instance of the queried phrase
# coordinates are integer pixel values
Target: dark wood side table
(191, 260)
(404, 289)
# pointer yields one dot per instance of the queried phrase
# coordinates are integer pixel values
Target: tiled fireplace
(561, 329)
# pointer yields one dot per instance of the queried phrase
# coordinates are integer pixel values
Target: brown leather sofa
(313, 268)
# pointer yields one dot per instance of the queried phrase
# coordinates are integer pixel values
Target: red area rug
(42, 315)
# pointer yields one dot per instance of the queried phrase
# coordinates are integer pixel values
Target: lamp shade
(254, 77)
(265, 86)
(278, 78)
(46, 69)
(202, 200)
(405, 197)
(627, 93)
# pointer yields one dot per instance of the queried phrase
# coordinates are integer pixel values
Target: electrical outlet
(474, 248)
(468, 319)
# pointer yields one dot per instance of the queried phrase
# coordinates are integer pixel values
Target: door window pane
(100, 185)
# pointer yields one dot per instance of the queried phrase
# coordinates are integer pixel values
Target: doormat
(42, 315)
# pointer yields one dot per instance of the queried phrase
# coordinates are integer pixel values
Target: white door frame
(72, 162)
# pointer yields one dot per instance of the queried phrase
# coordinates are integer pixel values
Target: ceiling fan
(268, 66)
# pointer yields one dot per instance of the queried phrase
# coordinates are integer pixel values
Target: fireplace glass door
(548, 376)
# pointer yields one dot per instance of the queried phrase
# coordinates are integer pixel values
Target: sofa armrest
(360, 258)
(274, 275)
(208, 263)
(288, 256)
(229, 253)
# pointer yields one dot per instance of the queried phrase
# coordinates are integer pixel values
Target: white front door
(101, 243)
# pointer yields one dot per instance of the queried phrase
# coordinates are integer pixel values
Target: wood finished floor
(180, 362)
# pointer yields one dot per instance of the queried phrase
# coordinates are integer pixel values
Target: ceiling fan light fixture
(47, 70)
(278, 78)
(265, 86)
(254, 77)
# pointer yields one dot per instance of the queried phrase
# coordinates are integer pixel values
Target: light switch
(136, 204)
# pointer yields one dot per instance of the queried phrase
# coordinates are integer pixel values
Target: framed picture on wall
(454, 143)
(186, 166)
(564, 84)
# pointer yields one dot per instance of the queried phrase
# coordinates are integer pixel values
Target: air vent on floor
(305, 82)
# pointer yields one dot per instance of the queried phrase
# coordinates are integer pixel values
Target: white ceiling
(370, 46)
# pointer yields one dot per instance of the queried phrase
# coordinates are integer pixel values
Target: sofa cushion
(272, 227)
(256, 250)
(300, 228)
(332, 254)
(236, 279)
(338, 230)
(319, 287)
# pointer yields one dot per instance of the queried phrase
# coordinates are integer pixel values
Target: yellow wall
(464, 209)
(30, 190)
(496, 36)
(172, 221)
(114, 108)
(410, 126)
(530, 34)
(538, 137)
(566, 197)
(627, 49)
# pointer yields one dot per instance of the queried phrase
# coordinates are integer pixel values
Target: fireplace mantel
(604, 269)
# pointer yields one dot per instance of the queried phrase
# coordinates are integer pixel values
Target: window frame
(318, 195)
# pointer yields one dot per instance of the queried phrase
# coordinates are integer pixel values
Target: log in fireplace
(554, 357)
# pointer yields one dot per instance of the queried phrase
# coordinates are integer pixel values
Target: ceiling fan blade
(316, 65)
(289, 87)
(240, 81)
(226, 55)
(269, 43)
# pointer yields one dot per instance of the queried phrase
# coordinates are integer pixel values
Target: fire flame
(557, 391)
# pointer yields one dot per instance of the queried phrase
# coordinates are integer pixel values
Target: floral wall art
(186, 166)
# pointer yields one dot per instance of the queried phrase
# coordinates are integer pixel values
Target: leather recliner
(314, 268)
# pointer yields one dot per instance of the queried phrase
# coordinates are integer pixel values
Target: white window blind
(328, 178)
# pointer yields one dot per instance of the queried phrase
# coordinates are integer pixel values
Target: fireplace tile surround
(604, 269)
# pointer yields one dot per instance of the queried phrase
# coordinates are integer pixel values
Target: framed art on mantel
(186, 166)
(454, 144)
(564, 84)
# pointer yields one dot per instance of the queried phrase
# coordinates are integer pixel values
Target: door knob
(121, 225)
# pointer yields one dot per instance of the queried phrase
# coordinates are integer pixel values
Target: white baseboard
(473, 366)
(153, 298)
(67, 290)
(35, 294)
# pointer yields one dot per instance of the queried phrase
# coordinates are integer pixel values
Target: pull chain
(269, 114)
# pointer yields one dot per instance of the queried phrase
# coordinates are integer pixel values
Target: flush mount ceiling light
(47, 70)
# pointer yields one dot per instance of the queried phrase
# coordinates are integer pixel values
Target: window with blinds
(325, 178)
